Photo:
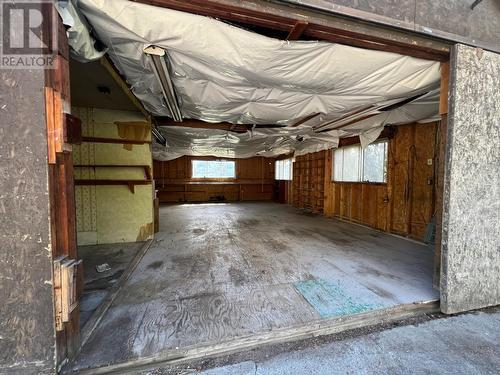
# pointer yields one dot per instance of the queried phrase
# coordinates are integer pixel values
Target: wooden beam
(120, 81)
(297, 30)
(387, 133)
(110, 67)
(443, 95)
(305, 119)
(354, 121)
(286, 21)
(358, 111)
(365, 113)
(198, 124)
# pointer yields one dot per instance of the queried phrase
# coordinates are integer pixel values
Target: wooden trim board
(96, 317)
(316, 328)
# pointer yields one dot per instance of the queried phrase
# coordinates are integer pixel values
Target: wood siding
(309, 181)
(404, 205)
(254, 181)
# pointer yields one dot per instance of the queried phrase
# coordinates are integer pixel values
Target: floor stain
(238, 277)
(307, 213)
(155, 265)
(248, 222)
(381, 292)
(276, 246)
(363, 269)
(301, 233)
(335, 238)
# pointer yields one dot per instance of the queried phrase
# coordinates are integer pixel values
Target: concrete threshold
(321, 327)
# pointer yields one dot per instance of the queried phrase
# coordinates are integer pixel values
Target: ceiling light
(158, 59)
(158, 136)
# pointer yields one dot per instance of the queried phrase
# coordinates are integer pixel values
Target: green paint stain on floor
(337, 299)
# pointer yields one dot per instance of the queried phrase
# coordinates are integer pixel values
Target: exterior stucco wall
(471, 212)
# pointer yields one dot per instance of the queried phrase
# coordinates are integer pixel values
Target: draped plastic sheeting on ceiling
(221, 143)
(224, 73)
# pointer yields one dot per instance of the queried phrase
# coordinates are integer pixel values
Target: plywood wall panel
(309, 181)
(383, 208)
(403, 205)
(356, 203)
(423, 179)
(402, 153)
(369, 204)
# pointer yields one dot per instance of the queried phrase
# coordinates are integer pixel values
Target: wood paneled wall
(404, 205)
(254, 181)
(309, 181)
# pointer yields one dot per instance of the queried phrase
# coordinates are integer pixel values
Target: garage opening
(235, 186)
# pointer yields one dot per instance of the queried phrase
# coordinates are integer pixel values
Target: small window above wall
(213, 169)
(353, 164)
(283, 170)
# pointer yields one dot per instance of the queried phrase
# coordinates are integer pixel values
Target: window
(353, 164)
(213, 169)
(283, 170)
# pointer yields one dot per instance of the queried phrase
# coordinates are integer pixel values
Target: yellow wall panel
(106, 213)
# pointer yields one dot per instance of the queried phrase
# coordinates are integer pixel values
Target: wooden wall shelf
(115, 140)
(130, 183)
(147, 169)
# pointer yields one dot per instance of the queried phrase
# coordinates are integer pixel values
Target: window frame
(284, 162)
(213, 178)
(361, 162)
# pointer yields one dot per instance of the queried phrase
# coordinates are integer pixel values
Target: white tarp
(224, 73)
(79, 38)
(220, 143)
(301, 140)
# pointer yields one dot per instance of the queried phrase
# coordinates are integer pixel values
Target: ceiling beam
(198, 124)
(279, 17)
(106, 62)
(120, 81)
(387, 133)
(297, 30)
(305, 119)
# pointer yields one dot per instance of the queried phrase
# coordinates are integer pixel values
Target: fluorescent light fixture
(159, 137)
(159, 61)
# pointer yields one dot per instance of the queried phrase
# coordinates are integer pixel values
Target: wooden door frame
(61, 190)
(63, 221)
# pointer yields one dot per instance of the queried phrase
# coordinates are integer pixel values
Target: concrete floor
(217, 272)
(466, 344)
(97, 284)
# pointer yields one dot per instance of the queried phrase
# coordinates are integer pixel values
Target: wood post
(440, 167)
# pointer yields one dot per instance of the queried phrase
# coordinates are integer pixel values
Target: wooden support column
(328, 203)
(440, 166)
